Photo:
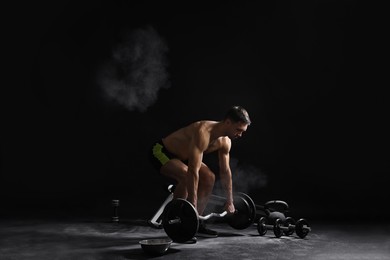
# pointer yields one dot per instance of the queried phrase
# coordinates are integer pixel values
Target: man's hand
(229, 207)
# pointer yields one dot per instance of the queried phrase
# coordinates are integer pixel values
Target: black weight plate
(287, 222)
(277, 230)
(299, 228)
(241, 219)
(180, 220)
(251, 204)
(261, 228)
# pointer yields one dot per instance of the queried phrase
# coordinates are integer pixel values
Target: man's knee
(211, 178)
(207, 178)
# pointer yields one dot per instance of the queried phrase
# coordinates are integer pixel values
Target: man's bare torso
(179, 141)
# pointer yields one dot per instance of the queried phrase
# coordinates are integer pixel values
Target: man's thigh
(175, 169)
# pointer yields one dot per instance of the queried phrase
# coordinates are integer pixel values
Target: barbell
(181, 220)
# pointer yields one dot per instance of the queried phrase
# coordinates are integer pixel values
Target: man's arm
(225, 173)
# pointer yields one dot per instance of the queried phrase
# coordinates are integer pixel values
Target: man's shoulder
(201, 125)
(224, 144)
(203, 122)
(225, 140)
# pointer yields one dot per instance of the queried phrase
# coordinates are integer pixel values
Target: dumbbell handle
(267, 226)
(289, 227)
(267, 207)
(306, 228)
(293, 227)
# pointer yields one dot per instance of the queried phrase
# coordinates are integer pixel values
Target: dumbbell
(301, 227)
(115, 205)
(271, 206)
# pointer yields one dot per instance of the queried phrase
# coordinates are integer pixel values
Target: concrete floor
(83, 239)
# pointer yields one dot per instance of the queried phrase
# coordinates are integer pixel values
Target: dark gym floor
(87, 239)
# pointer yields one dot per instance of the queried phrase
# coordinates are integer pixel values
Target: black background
(309, 74)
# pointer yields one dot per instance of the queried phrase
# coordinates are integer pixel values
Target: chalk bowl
(155, 246)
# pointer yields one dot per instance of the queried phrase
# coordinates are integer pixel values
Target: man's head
(238, 114)
(237, 120)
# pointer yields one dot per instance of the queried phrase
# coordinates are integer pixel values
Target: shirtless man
(179, 156)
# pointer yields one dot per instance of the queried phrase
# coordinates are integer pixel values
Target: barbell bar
(181, 220)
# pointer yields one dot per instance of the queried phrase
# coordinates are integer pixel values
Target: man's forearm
(192, 185)
(226, 181)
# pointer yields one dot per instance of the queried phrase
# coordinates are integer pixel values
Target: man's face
(236, 129)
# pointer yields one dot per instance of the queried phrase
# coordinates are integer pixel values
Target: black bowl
(155, 246)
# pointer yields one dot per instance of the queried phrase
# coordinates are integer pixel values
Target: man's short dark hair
(238, 114)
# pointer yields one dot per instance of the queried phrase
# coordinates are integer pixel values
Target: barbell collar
(290, 227)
